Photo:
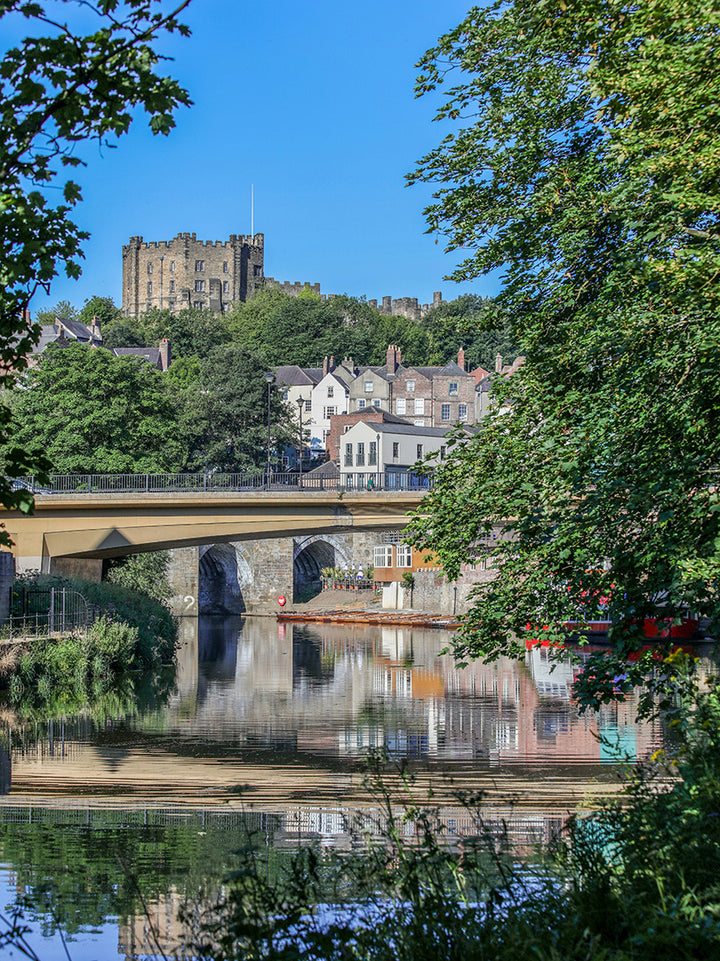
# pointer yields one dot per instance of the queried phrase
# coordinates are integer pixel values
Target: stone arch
(224, 571)
(311, 554)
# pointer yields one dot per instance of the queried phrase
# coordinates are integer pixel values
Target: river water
(265, 727)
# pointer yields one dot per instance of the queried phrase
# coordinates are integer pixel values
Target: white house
(329, 397)
(370, 450)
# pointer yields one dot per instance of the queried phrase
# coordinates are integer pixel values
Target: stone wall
(433, 592)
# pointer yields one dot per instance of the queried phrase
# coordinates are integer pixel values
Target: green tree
(102, 308)
(471, 322)
(123, 334)
(63, 310)
(227, 413)
(58, 88)
(91, 412)
(589, 174)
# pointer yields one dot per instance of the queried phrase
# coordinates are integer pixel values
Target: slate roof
(150, 354)
(295, 376)
(420, 431)
(81, 331)
(328, 469)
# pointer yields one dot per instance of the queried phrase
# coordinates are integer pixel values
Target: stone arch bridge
(276, 536)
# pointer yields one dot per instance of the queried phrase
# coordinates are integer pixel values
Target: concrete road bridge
(84, 518)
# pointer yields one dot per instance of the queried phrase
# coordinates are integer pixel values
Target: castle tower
(187, 272)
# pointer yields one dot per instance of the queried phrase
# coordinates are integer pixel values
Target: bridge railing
(398, 481)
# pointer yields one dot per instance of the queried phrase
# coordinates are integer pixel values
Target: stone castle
(215, 274)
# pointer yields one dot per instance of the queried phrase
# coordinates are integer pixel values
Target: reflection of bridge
(107, 523)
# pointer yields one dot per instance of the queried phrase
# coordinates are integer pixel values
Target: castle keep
(187, 272)
(215, 274)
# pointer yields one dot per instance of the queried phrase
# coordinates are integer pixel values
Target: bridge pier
(183, 576)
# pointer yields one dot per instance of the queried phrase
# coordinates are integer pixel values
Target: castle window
(199, 286)
(225, 269)
(149, 288)
(172, 266)
(257, 270)
(226, 286)
(149, 268)
(172, 286)
(199, 265)
(445, 412)
(453, 387)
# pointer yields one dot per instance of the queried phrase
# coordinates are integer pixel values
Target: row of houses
(337, 395)
(64, 332)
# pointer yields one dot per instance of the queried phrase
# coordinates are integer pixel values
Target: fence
(46, 612)
(398, 481)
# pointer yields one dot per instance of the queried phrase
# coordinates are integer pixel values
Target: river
(266, 727)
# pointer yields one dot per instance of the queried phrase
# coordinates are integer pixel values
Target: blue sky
(312, 102)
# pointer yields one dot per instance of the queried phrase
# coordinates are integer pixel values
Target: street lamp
(301, 404)
(269, 377)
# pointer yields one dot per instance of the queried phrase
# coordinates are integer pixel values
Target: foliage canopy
(589, 173)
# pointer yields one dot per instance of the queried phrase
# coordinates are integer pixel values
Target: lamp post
(301, 404)
(269, 377)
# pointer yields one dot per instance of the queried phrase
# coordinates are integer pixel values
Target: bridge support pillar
(183, 575)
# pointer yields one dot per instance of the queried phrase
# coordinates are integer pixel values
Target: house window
(150, 268)
(410, 386)
(172, 266)
(445, 412)
(372, 453)
(360, 460)
(419, 405)
(149, 288)
(443, 451)
(328, 412)
(396, 449)
(453, 388)
(331, 391)
(419, 450)
(348, 455)
(383, 556)
(198, 304)
(226, 287)
(199, 286)
(419, 423)
(368, 387)
(400, 405)
(225, 269)
(376, 402)
(199, 265)
(172, 286)
(361, 403)
(308, 405)
(462, 411)
(326, 434)
(404, 555)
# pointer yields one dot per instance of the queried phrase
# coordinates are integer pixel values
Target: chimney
(326, 366)
(398, 356)
(165, 354)
(461, 358)
(393, 358)
(95, 329)
(332, 363)
(498, 363)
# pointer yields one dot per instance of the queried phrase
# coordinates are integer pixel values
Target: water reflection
(265, 731)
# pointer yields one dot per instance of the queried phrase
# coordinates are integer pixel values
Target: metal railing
(40, 612)
(387, 481)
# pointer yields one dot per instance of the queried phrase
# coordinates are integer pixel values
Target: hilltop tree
(589, 174)
(102, 308)
(58, 88)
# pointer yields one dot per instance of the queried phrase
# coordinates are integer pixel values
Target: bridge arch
(312, 553)
(224, 569)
